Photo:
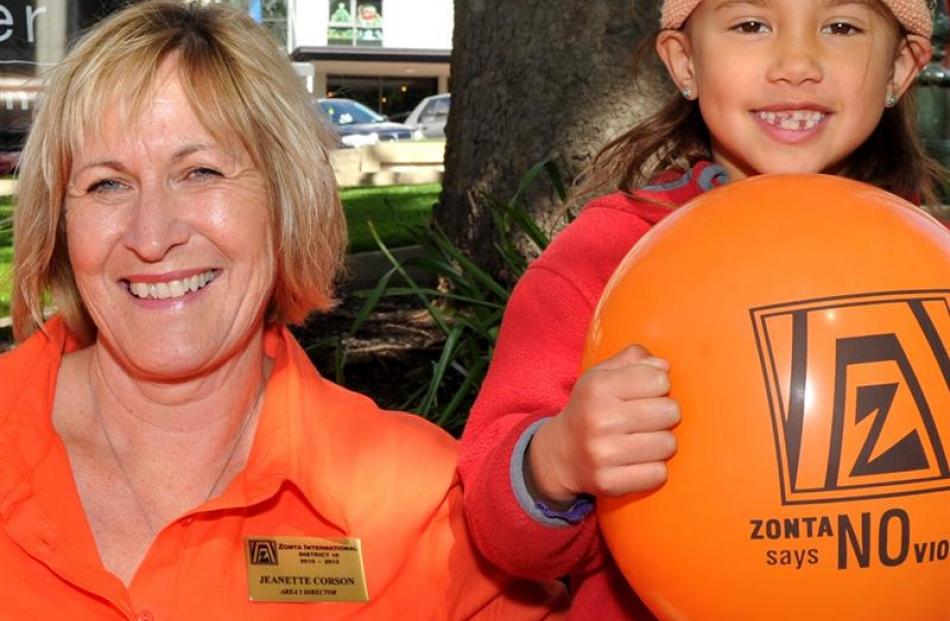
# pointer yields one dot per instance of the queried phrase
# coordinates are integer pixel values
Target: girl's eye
(751, 27)
(841, 28)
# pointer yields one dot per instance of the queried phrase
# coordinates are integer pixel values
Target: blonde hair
(239, 83)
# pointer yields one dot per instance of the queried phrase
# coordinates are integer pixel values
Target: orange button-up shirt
(325, 462)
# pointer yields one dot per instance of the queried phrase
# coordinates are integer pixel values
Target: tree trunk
(536, 80)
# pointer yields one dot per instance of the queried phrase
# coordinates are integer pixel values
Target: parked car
(358, 125)
(430, 115)
(9, 160)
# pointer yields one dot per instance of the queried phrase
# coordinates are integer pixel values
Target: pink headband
(914, 15)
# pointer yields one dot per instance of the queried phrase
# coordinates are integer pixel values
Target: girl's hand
(613, 437)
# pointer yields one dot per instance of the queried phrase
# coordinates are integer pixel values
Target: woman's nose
(796, 59)
(156, 225)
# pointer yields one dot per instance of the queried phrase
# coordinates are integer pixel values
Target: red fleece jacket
(535, 364)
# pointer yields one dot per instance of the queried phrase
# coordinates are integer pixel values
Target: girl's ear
(675, 52)
(913, 53)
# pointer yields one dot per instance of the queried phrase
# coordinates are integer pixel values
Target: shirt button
(187, 521)
(146, 615)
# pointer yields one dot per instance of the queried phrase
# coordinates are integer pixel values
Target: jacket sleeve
(534, 367)
(474, 589)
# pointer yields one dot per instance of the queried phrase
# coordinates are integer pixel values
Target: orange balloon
(806, 321)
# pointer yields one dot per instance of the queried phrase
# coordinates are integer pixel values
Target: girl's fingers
(638, 381)
(629, 479)
(642, 415)
(654, 414)
(627, 356)
(634, 448)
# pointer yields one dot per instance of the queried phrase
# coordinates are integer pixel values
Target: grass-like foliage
(390, 208)
(468, 304)
(6, 253)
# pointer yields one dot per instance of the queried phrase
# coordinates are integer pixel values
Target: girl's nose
(796, 60)
(155, 225)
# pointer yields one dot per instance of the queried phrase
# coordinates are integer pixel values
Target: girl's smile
(792, 123)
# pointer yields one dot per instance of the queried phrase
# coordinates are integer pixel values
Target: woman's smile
(171, 286)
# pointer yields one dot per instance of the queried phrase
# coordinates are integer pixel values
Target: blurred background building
(34, 35)
(386, 54)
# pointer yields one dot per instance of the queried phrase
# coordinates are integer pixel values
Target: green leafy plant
(6, 253)
(466, 306)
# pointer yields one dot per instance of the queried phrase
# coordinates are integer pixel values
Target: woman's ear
(675, 52)
(913, 54)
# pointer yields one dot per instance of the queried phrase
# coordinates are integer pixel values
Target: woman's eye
(751, 27)
(105, 185)
(841, 28)
(202, 173)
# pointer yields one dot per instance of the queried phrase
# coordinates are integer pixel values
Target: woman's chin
(162, 357)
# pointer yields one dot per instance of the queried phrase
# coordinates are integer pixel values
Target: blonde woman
(167, 451)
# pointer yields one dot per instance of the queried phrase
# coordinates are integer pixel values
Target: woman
(167, 451)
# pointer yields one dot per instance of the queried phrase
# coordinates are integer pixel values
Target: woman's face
(170, 238)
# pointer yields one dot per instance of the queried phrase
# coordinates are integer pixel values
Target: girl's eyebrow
(768, 3)
(732, 3)
(834, 3)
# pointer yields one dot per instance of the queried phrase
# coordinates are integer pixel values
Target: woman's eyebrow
(105, 163)
(188, 149)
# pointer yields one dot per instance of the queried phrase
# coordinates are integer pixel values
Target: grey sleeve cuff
(560, 519)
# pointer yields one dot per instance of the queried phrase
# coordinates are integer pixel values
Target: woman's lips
(150, 288)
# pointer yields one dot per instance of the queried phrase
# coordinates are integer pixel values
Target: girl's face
(790, 86)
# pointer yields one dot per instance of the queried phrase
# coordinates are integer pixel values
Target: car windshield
(346, 112)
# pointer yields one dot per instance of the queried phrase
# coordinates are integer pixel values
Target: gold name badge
(305, 569)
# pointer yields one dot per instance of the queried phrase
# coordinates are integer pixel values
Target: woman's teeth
(795, 120)
(170, 289)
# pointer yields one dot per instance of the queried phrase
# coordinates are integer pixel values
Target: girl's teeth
(793, 120)
(171, 289)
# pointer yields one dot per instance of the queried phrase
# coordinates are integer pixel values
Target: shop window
(392, 96)
(356, 22)
(272, 14)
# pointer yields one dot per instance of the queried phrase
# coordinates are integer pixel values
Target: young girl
(766, 86)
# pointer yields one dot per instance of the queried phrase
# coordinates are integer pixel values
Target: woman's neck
(176, 414)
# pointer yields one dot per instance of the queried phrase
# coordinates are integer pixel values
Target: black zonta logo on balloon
(858, 389)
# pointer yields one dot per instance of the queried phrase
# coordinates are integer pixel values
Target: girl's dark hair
(675, 137)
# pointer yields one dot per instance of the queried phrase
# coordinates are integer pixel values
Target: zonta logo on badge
(858, 413)
(262, 551)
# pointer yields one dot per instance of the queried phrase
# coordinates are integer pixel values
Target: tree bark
(537, 80)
